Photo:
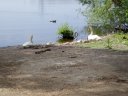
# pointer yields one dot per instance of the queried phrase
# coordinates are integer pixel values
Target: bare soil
(63, 71)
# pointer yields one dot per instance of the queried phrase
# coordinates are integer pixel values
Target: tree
(106, 12)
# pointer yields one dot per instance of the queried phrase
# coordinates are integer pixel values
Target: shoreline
(111, 41)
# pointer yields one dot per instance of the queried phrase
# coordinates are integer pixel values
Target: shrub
(66, 32)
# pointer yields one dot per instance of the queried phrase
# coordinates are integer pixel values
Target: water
(21, 18)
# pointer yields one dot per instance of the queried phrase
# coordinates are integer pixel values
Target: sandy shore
(63, 71)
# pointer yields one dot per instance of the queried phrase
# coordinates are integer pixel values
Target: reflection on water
(21, 18)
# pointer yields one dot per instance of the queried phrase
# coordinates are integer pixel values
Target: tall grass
(66, 32)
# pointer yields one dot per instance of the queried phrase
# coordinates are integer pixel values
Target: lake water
(21, 18)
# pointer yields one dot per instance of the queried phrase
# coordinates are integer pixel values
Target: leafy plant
(117, 41)
(106, 12)
(66, 32)
(109, 44)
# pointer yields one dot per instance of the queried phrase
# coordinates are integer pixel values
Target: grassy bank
(117, 41)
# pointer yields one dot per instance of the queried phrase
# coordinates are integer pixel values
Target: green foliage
(109, 44)
(106, 12)
(66, 32)
(121, 38)
(86, 1)
(118, 41)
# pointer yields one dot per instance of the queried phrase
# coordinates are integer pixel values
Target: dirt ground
(63, 71)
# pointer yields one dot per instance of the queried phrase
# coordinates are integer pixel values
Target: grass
(117, 41)
(66, 32)
(64, 40)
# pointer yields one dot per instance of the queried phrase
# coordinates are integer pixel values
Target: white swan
(30, 42)
(93, 37)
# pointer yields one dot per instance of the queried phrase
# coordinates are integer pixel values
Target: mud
(63, 71)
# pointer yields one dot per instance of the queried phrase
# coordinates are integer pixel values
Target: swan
(93, 37)
(30, 42)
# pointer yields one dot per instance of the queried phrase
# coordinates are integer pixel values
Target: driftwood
(42, 51)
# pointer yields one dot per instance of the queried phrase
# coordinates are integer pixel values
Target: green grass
(118, 41)
(66, 32)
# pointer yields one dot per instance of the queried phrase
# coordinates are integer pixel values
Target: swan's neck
(91, 33)
(31, 39)
(91, 30)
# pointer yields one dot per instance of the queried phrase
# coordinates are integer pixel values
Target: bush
(66, 32)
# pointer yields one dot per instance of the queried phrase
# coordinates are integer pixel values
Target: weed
(109, 44)
(66, 32)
